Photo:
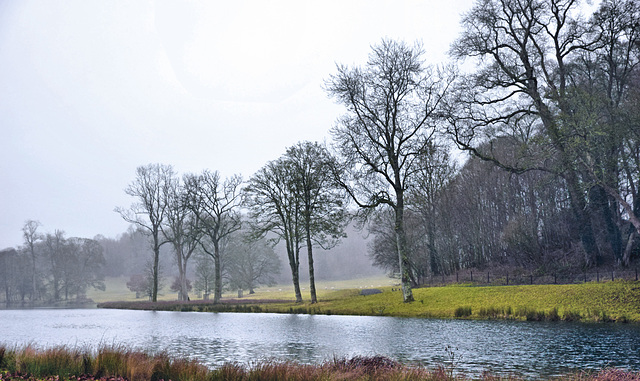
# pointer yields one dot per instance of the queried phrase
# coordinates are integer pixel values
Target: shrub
(553, 315)
(462, 312)
(490, 312)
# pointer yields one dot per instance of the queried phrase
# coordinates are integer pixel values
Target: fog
(91, 90)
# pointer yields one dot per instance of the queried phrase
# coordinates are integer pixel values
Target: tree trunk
(34, 286)
(433, 263)
(184, 291)
(312, 281)
(156, 263)
(583, 219)
(598, 197)
(296, 284)
(577, 201)
(217, 287)
(403, 257)
(181, 275)
(626, 257)
(295, 275)
(295, 270)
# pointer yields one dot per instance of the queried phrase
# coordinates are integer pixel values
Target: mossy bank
(617, 301)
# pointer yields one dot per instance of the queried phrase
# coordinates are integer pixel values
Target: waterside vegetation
(119, 363)
(617, 301)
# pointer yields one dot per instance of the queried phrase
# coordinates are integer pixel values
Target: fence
(505, 278)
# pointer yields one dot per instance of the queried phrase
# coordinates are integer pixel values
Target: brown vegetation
(118, 363)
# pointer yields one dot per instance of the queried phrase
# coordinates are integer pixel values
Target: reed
(118, 363)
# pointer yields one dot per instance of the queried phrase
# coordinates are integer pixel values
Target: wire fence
(506, 278)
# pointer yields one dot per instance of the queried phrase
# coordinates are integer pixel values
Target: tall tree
(436, 170)
(83, 267)
(391, 104)
(55, 254)
(529, 90)
(181, 228)
(604, 86)
(275, 209)
(9, 273)
(215, 204)
(205, 273)
(31, 237)
(250, 262)
(150, 186)
(322, 201)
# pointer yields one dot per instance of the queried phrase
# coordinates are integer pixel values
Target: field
(617, 301)
(122, 364)
(116, 290)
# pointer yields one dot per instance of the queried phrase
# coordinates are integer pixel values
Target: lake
(531, 349)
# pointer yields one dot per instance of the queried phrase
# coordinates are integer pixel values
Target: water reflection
(528, 349)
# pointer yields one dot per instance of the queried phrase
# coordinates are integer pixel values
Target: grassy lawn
(610, 301)
(605, 301)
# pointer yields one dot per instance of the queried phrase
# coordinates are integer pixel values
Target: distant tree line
(50, 267)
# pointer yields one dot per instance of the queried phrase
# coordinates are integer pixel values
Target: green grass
(594, 302)
(610, 301)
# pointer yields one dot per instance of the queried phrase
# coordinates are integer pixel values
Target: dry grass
(116, 290)
(119, 363)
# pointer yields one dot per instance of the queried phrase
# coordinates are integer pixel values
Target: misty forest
(521, 155)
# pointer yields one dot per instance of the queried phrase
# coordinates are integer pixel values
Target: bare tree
(205, 273)
(84, 261)
(275, 209)
(10, 273)
(215, 204)
(534, 87)
(322, 200)
(181, 228)
(250, 262)
(391, 104)
(31, 237)
(150, 186)
(436, 170)
(55, 253)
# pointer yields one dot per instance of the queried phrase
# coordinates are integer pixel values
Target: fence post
(472, 276)
(488, 281)
(456, 277)
(636, 274)
(612, 276)
(507, 279)
(531, 278)
(597, 276)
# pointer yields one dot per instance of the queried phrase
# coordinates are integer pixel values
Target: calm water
(525, 348)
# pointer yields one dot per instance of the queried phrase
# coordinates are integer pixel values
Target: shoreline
(122, 363)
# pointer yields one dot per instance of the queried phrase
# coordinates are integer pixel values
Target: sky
(90, 90)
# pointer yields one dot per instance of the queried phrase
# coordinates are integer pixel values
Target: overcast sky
(90, 90)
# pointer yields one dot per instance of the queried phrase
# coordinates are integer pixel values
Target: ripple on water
(531, 349)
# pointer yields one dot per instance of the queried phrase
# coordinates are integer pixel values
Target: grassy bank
(123, 364)
(617, 301)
